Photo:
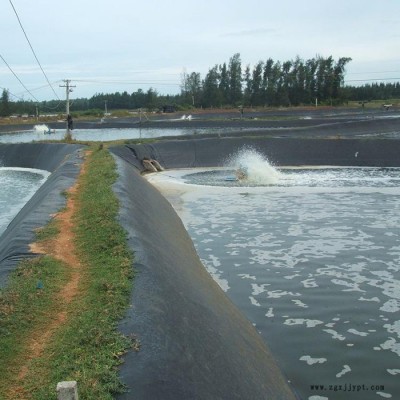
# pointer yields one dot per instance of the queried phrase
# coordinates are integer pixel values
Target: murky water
(297, 177)
(314, 262)
(18, 185)
(103, 134)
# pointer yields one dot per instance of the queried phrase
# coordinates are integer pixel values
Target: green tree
(5, 104)
(212, 96)
(311, 80)
(338, 76)
(138, 99)
(191, 89)
(224, 83)
(275, 83)
(267, 83)
(297, 92)
(285, 82)
(247, 88)
(235, 79)
(151, 102)
(256, 98)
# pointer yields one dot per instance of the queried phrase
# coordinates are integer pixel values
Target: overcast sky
(108, 46)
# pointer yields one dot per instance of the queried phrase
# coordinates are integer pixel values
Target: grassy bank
(87, 346)
(25, 306)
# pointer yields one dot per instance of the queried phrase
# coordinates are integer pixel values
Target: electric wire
(371, 72)
(152, 82)
(11, 94)
(19, 80)
(45, 105)
(33, 51)
(372, 79)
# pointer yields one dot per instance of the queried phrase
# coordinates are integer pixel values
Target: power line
(19, 80)
(11, 94)
(33, 51)
(371, 80)
(152, 82)
(373, 72)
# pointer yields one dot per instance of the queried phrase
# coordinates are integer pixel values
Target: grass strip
(26, 304)
(87, 347)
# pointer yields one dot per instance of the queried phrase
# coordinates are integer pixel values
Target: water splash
(255, 166)
(42, 128)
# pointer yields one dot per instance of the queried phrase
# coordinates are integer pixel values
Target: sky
(108, 46)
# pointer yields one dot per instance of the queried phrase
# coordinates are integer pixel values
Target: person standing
(70, 122)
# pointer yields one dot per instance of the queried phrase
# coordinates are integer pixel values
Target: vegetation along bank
(59, 313)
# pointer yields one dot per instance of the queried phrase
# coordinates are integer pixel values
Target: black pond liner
(63, 161)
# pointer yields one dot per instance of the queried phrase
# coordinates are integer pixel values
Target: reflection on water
(104, 134)
(315, 265)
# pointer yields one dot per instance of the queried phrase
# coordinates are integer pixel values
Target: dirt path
(62, 248)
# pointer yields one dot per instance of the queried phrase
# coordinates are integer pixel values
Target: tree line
(268, 83)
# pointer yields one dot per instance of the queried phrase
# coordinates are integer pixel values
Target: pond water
(313, 261)
(18, 185)
(41, 133)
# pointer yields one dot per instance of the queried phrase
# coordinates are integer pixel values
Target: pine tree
(235, 79)
(5, 104)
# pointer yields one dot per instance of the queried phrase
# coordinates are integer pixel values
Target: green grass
(25, 305)
(48, 231)
(88, 347)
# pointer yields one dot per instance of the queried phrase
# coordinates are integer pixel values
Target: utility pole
(67, 91)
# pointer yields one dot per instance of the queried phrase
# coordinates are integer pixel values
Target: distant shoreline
(290, 118)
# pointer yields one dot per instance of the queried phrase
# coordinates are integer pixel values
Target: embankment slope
(194, 343)
(63, 161)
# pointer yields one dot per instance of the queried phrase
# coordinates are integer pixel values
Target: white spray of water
(41, 128)
(256, 167)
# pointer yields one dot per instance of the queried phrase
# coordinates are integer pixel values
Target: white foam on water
(254, 302)
(335, 335)
(212, 267)
(356, 332)
(270, 313)
(258, 289)
(298, 240)
(394, 371)
(309, 283)
(311, 361)
(384, 395)
(309, 323)
(247, 276)
(374, 299)
(276, 294)
(344, 371)
(391, 306)
(393, 328)
(391, 345)
(299, 303)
